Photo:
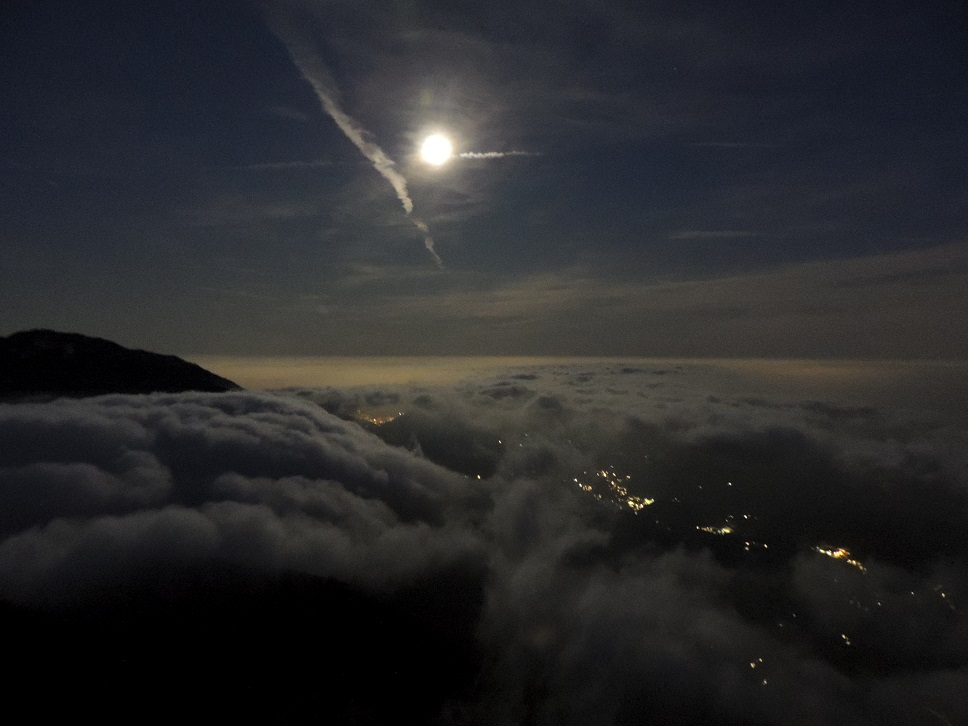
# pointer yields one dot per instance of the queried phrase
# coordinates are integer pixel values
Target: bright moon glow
(436, 149)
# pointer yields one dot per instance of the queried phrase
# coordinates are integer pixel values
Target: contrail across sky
(494, 154)
(318, 76)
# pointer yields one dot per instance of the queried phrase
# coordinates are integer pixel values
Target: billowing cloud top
(594, 544)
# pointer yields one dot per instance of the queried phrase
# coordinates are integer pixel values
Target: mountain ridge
(40, 364)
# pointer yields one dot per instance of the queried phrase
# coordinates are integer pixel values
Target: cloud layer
(571, 544)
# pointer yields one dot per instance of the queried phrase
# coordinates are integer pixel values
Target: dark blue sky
(702, 179)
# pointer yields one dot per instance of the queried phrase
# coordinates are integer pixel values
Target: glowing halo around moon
(436, 149)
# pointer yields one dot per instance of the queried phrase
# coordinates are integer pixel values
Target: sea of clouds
(587, 544)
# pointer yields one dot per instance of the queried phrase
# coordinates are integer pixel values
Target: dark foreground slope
(287, 649)
(46, 363)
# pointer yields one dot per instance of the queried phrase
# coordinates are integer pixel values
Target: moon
(436, 149)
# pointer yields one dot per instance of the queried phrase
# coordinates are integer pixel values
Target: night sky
(646, 405)
(734, 179)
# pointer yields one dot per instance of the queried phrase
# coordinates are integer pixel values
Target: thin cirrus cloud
(792, 311)
(285, 165)
(712, 234)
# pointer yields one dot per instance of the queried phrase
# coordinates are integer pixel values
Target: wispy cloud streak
(700, 234)
(318, 76)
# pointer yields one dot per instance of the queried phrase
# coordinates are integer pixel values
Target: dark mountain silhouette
(41, 364)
